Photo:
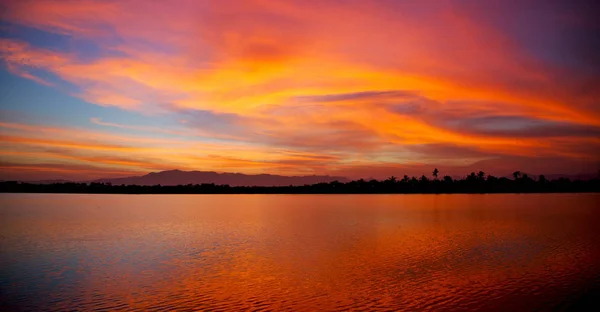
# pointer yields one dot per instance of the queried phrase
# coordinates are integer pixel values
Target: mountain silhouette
(203, 182)
(179, 177)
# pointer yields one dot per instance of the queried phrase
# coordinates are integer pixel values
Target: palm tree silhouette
(517, 175)
(435, 173)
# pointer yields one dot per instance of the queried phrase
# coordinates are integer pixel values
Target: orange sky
(361, 89)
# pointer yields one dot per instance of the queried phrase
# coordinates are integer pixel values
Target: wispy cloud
(402, 83)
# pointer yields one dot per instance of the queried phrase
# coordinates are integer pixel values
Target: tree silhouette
(542, 179)
(435, 173)
(472, 183)
(516, 175)
(472, 177)
(390, 183)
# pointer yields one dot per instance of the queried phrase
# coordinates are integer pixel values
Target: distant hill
(178, 177)
(51, 181)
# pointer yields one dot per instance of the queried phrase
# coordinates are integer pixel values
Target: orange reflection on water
(298, 252)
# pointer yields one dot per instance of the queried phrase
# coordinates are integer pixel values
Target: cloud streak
(404, 83)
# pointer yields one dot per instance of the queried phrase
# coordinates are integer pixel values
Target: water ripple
(300, 253)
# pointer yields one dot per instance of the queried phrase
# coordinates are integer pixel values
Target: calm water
(299, 252)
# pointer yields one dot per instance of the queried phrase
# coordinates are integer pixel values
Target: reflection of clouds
(405, 252)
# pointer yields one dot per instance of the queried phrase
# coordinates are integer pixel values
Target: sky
(95, 89)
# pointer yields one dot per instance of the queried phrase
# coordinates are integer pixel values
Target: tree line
(475, 182)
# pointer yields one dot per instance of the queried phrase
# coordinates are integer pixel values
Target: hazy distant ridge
(178, 177)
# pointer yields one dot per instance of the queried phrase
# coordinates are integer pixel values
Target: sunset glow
(94, 89)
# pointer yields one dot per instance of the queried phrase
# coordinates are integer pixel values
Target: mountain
(178, 177)
(51, 181)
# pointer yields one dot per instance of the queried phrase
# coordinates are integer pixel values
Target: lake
(299, 252)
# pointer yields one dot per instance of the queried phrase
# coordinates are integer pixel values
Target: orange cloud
(270, 70)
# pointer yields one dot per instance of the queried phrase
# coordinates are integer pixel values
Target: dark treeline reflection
(472, 183)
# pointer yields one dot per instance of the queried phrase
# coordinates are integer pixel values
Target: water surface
(299, 252)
